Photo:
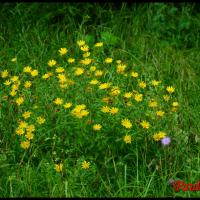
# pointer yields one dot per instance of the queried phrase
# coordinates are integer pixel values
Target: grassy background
(162, 39)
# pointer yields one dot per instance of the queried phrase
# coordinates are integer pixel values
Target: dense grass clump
(98, 100)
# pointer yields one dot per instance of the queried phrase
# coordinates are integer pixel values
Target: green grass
(160, 41)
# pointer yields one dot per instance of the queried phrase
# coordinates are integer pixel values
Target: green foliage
(174, 23)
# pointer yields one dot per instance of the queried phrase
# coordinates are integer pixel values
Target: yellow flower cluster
(27, 130)
(158, 136)
(130, 101)
(79, 111)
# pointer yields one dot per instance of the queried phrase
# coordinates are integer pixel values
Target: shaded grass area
(161, 40)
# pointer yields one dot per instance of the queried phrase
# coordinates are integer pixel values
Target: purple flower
(166, 141)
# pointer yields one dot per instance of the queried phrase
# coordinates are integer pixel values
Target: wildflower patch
(78, 99)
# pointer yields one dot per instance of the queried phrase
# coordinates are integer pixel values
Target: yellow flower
(27, 84)
(62, 78)
(4, 73)
(83, 113)
(121, 68)
(118, 61)
(158, 136)
(94, 82)
(97, 127)
(45, 76)
(99, 44)
(162, 134)
(27, 69)
(13, 93)
(40, 120)
(19, 101)
(142, 84)
(25, 144)
(166, 97)
(30, 128)
(50, 73)
(88, 89)
(175, 104)
(106, 99)
(29, 135)
(134, 74)
(62, 51)
(60, 69)
(170, 89)
(14, 59)
(92, 68)
(138, 97)
(85, 48)
(98, 73)
(51, 63)
(126, 123)
(160, 113)
(129, 103)
(115, 91)
(15, 87)
(67, 105)
(79, 111)
(58, 101)
(128, 95)
(63, 86)
(145, 124)
(105, 109)
(26, 114)
(80, 43)
(104, 86)
(85, 165)
(87, 54)
(7, 82)
(153, 103)
(17, 82)
(174, 109)
(114, 110)
(14, 78)
(34, 73)
(108, 60)
(19, 131)
(155, 83)
(86, 61)
(23, 124)
(71, 60)
(81, 107)
(79, 71)
(127, 139)
(59, 167)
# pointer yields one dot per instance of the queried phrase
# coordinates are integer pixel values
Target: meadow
(99, 100)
